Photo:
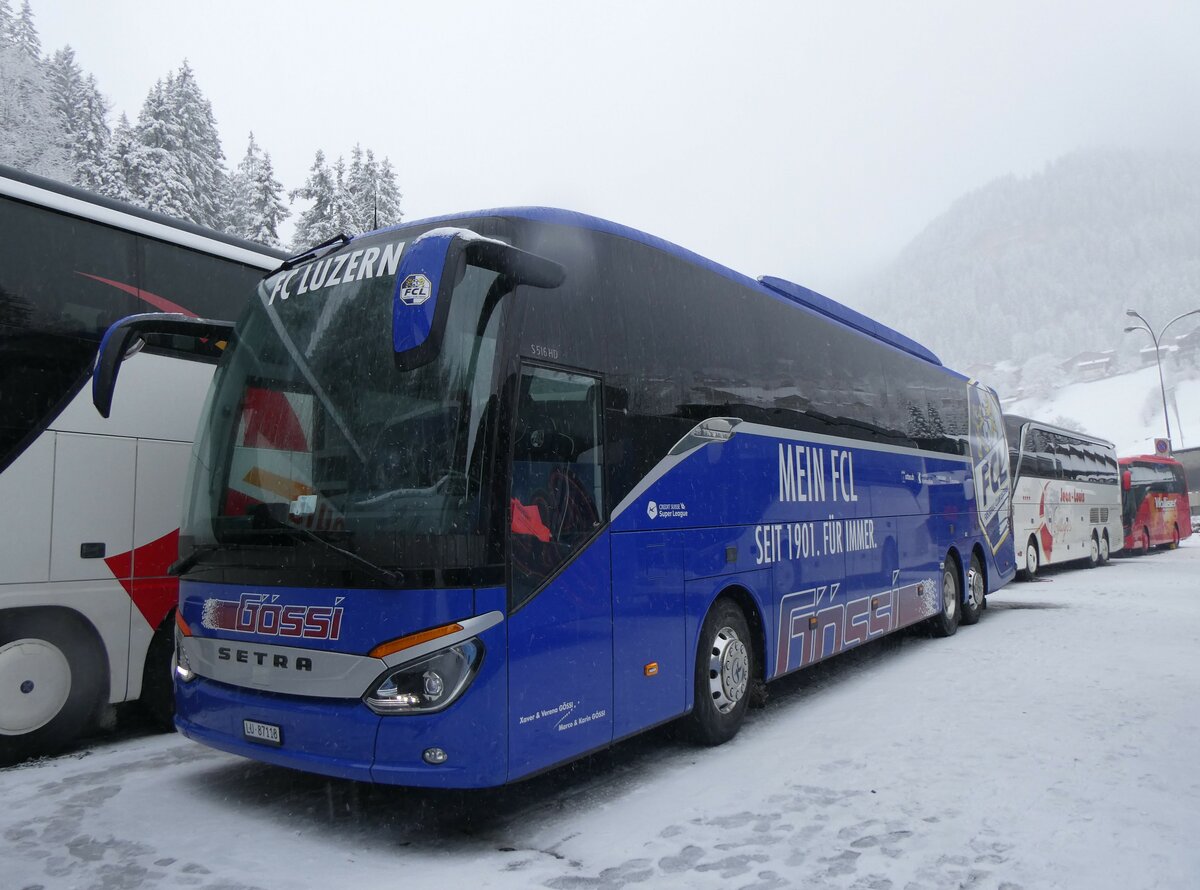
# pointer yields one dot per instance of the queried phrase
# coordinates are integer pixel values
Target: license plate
(267, 733)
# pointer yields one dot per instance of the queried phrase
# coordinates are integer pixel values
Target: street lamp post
(1145, 326)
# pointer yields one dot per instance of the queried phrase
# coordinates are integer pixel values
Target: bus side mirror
(122, 340)
(432, 267)
(1126, 480)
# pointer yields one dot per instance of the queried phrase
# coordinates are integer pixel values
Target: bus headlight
(183, 668)
(427, 684)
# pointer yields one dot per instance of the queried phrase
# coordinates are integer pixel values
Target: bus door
(560, 602)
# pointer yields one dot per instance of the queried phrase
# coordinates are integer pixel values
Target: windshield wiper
(378, 572)
(181, 565)
(312, 253)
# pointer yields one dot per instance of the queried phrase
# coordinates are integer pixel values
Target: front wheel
(724, 670)
(51, 682)
(945, 622)
(973, 605)
(1145, 541)
(1094, 551)
(158, 678)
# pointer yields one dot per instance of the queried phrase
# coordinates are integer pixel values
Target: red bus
(1154, 502)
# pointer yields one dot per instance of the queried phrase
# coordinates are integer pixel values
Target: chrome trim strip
(332, 674)
(75, 207)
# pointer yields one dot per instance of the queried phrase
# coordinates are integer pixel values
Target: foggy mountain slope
(1048, 263)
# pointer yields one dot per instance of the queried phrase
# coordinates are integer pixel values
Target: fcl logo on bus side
(415, 290)
(251, 613)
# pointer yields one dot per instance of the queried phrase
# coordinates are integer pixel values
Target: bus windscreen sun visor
(430, 270)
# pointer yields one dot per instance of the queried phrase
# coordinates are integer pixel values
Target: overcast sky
(807, 140)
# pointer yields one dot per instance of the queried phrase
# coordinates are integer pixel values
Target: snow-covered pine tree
(156, 172)
(91, 137)
(24, 33)
(118, 177)
(31, 134)
(254, 207)
(343, 215)
(198, 150)
(315, 223)
(82, 111)
(6, 24)
(372, 193)
(387, 196)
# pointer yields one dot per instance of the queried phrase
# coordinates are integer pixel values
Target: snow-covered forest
(56, 122)
(1040, 269)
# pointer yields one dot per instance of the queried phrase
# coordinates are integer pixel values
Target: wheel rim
(1104, 549)
(949, 595)
(35, 682)
(1031, 558)
(728, 669)
(975, 587)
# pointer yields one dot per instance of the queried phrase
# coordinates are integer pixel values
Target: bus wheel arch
(728, 666)
(157, 698)
(975, 600)
(53, 679)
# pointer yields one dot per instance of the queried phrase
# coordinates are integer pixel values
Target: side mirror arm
(125, 333)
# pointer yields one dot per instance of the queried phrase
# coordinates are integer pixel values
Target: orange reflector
(385, 649)
(181, 624)
(651, 669)
(812, 621)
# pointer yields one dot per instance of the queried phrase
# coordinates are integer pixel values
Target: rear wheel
(724, 669)
(1093, 551)
(973, 605)
(52, 677)
(1105, 552)
(1145, 541)
(1032, 561)
(1174, 539)
(945, 622)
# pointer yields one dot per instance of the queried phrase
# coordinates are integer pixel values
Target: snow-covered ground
(1125, 409)
(1051, 745)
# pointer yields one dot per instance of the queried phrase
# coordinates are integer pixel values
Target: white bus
(89, 508)
(1066, 496)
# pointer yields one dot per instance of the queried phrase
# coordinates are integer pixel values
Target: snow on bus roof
(774, 287)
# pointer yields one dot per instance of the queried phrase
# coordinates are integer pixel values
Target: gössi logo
(415, 290)
(261, 613)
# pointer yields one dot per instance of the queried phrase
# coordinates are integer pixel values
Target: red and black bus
(1155, 510)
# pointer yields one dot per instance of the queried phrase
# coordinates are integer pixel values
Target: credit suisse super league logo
(259, 613)
(415, 290)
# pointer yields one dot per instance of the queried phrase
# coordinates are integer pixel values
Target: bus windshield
(312, 425)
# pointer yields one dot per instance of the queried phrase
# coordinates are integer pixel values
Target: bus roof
(1017, 421)
(39, 190)
(776, 288)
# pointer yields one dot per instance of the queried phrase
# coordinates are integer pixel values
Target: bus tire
(1145, 541)
(724, 671)
(1105, 550)
(945, 622)
(157, 700)
(1033, 560)
(52, 680)
(1173, 544)
(1093, 558)
(976, 600)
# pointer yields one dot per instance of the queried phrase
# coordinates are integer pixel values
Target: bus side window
(556, 494)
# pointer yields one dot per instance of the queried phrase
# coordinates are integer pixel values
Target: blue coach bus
(478, 495)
